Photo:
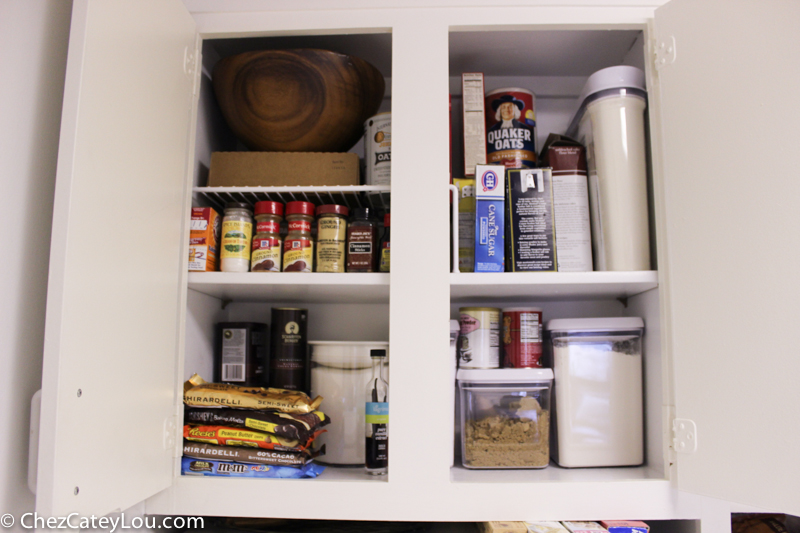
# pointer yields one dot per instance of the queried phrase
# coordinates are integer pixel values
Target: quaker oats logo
(292, 328)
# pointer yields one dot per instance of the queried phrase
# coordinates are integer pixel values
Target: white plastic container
(598, 391)
(339, 373)
(505, 417)
(610, 123)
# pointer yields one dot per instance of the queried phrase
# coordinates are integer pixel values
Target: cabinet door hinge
(684, 435)
(664, 52)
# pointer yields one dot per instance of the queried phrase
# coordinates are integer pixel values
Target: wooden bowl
(302, 100)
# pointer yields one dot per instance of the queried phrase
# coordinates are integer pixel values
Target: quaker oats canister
(511, 128)
(479, 341)
(522, 337)
(378, 149)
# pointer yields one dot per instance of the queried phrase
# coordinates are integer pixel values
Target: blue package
(489, 218)
(204, 467)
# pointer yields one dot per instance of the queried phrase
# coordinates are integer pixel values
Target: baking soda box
(531, 242)
(489, 225)
(204, 233)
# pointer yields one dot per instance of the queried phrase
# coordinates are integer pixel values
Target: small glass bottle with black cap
(377, 417)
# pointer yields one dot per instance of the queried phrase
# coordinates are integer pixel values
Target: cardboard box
(204, 232)
(473, 101)
(625, 526)
(489, 226)
(503, 527)
(282, 169)
(466, 223)
(546, 527)
(584, 527)
(567, 158)
(530, 233)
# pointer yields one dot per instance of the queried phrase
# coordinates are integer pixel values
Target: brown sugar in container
(298, 248)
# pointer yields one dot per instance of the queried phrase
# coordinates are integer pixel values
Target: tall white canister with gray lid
(611, 124)
(598, 391)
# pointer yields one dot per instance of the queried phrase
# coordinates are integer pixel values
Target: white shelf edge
(553, 278)
(288, 278)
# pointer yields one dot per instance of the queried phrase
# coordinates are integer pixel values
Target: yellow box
(204, 233)
(466, 223)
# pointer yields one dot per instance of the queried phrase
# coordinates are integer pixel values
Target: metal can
(288, 359)
(378, 149)
(479, 342)
(522, 337)
(511, 128)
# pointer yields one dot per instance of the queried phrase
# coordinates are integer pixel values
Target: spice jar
(331, 238)
(385, 240)
(298, 248)
(237, 231)
(362, 241)
(267, 244)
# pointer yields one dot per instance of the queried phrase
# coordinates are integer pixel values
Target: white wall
(33, 40)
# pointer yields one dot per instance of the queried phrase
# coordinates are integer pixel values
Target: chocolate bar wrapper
(198, 393)
(294, 426)
(237, 454)
(199, 467)
(225, 436)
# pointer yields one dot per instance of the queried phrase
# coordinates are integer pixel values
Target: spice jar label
(331, 244)
(268, 226)
(236, 237)
(298, 255)
(300, 225)
(266, 255)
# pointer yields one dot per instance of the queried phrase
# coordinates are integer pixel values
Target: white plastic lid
(619, 77)
(345, 354)
(595, 324)
(505, 375)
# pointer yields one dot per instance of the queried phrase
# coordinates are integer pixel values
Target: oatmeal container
(505, 417)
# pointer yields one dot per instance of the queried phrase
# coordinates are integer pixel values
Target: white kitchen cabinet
(126, 323)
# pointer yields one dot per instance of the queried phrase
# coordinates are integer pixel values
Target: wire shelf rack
(374, 196)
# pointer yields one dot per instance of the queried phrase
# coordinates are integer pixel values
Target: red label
(296, 244)
(269, 227)
(300, 225)
(522, 339)
(262, 244)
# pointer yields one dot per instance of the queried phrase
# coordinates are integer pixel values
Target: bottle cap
(332, 208)
(362, 213)
(269, 208)
(377, 353)
(238, 205)
(300, 208)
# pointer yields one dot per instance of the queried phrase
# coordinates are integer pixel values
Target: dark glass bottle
(377, 417)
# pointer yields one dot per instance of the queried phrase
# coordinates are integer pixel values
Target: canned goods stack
(485, 329)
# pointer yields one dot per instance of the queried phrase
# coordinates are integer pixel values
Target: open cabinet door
(731, 134)
(114, 293)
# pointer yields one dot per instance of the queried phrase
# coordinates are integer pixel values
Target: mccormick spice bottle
(362, 241)
(331, 238)
(385, 241)
(237, 231)
(267, 244)
(298, 248)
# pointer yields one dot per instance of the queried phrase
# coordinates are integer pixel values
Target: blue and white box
(489, 222)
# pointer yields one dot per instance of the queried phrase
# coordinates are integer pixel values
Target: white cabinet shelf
(523, 286)
(293, 287)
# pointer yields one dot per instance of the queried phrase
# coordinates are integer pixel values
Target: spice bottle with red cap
(331, 238)
(267, 244)
(298, 248)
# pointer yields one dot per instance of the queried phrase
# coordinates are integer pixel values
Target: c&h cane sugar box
(204, 233)
(489, 225)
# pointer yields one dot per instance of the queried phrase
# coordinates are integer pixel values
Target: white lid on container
(595, 324)
(505, 375)
(345, 354)
(619, 77)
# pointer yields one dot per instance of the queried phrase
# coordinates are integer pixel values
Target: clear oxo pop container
(505, 417)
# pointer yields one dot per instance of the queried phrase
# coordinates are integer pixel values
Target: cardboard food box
(489, 226)
(473, 100)
(282, 169)
(567, 158)
(625, 526)
(546, 527)
(503, 527)
(466, 223)
(530, 233)
(584, 527)
(204, 233)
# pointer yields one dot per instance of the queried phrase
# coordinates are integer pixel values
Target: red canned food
(522, 337)
(511, 128)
